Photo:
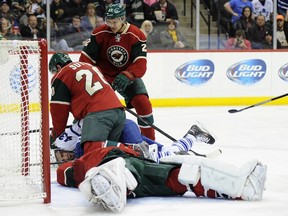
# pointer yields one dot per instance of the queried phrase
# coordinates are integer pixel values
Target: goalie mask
(60, 59)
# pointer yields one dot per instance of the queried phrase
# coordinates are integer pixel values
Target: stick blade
(233, 111)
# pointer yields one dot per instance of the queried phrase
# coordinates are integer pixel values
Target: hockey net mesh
(21, 155)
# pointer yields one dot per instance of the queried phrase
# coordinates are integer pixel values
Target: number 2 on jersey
(90, 87)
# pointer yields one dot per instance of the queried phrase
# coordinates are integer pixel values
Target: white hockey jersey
(266, 9)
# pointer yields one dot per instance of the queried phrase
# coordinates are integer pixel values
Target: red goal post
(24, 107)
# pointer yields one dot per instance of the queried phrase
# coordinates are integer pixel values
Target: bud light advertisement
(283, 72)
(196, 72)
(247, 72)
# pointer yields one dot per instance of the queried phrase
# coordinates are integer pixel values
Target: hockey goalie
(108, 176)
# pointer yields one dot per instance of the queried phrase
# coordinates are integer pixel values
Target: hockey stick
(150, 124)
(257, 104)
(212, 154)
(30, 131)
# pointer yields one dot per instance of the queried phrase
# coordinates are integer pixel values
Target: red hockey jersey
(114, 53)
(79, 88)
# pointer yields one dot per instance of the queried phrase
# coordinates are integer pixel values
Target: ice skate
(142, 149)
(201, 134)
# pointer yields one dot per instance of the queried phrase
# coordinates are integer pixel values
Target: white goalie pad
(107, 184)
(246, 182)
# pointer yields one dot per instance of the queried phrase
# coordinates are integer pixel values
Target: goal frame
(43, 128)
(45, 119)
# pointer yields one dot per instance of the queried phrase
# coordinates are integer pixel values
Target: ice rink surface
(260, 132)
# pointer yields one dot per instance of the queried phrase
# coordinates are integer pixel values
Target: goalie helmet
(60, 59)
(115, 11)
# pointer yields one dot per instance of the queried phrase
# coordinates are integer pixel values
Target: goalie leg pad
(112, 196)
(246, 182)
(107, 184)
(224, 178)
(254, 185)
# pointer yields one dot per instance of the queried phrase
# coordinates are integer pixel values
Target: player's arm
(136, 70)
(59, 107)
(90, 51)
(139, 61)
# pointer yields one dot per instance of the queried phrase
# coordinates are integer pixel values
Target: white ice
(260, 132)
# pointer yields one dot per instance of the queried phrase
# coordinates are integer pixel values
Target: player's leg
(131, 133)
(153, 177)
(98, 127)
(136, 96)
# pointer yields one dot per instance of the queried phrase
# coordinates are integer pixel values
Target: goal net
(24, 125)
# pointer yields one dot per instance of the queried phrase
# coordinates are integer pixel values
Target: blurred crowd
(71, 21)
(248, 24)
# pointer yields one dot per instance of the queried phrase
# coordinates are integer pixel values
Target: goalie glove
(122, 80)
(107, 184)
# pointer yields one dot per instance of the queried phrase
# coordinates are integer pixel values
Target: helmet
(115, 11)
(58, 59)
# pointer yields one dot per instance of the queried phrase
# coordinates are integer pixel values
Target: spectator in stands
(246, 21)
(75, 8)
(282, 32)
(282, 8)
(238, 42)
(101, 7)
(19, 9)
(256, 34)
(99, 21)
(149, 2)
(6, 12)
(7, 30)
(264, 7)
(31, 31)
(75, 35)
(57, 11)
(137, 11)
(269, 23)
(268, 42)
(55, 43)
(153, 37)
(163, 11)
(235, 8)
(35, 7)
(88, 21)
(171, 38)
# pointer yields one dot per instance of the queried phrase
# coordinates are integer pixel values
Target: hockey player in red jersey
(107, 176)
(119, 50)
(81, 89)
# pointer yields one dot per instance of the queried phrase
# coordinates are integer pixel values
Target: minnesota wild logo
(117, 55)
